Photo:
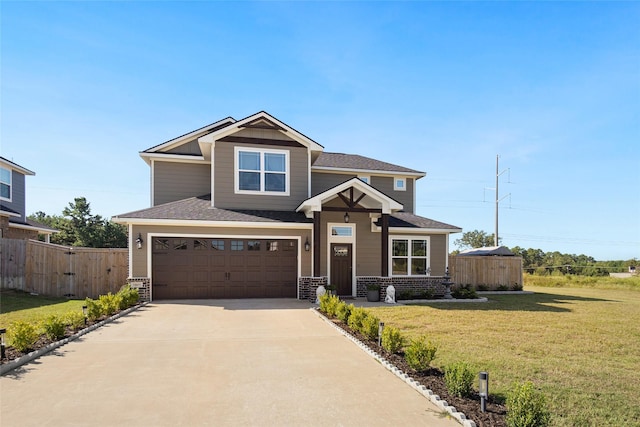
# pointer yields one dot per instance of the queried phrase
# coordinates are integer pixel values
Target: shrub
(22, 335)
(392, 339)
(74, 319)
(517, 287)
(483, 288)
(503, 288)
(420, 354)
(53, 327)
(128, 297)
(358, 314)
(329, 304)
(370, 326)
(343, 311)
(94, 309)
(109, 303)
(464, 292)
(526, 407)
(458, 378)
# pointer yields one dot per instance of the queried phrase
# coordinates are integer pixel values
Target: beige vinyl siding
(438, 254)
(224, 193)
(177, 181)
(139, 256)
(191, 147)
(321, 182)
(18, 194)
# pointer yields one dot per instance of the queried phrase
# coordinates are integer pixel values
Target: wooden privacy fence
(491, 272)
(48, 269)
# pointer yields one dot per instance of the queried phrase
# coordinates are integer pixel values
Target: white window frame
(409, 255)
(397, 187)
(262, 171)
(365, 178)
(10, 184)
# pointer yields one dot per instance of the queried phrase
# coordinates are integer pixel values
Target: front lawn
(580, 346)
(22, 306)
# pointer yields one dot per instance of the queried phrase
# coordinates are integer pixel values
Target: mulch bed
(433, 379)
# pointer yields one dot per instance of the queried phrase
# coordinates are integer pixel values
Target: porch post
(316, 244)
(385, 246)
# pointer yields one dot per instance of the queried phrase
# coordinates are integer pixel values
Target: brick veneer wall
(401, 284)
(143, 285)
(4, 226)
(307, 286)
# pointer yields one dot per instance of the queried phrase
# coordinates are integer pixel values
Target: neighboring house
(14, 223)
(253, 208)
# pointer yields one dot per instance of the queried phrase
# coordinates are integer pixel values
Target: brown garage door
(185, 268)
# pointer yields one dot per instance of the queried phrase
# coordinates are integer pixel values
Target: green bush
(458, 378)
(128, 297)
(74, 319)
(329, 304)
(54, 327)
(526, 407)
(464, 292)
(517, 287)
(343, 311)
(370, 326)
(392, 339)
(22, 335)
(420, 354)
(358, 314)
(109, 304)
(94, 309)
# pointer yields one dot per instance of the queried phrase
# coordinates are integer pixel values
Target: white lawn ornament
(391, 295)
(319, 292)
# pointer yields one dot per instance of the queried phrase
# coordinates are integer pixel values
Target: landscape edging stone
(16, 363)
(423, 390)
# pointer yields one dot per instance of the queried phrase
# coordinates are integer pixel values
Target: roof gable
(16, 167)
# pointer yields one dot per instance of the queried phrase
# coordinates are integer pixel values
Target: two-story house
(14, 223)
(253, 208)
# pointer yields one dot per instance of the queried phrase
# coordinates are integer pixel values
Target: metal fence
(47, 269)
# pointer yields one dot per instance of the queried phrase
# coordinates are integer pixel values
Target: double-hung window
(5, 184)
(409, 257)
(262, 171)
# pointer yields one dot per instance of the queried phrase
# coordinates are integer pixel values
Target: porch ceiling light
(346, 217)
(483, 389)
(139, 241)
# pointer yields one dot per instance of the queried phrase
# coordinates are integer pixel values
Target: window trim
(262, 171)
(365, 177)
(9, 184)
(396, 187)
(409, 255)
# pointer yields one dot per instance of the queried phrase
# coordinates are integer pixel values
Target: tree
(78, 227)
(475, 239)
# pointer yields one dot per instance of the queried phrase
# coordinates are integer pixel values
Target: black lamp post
(483, 389)
(84, 312)
(380, 330)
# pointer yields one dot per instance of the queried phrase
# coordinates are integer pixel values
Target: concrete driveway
(212, 362)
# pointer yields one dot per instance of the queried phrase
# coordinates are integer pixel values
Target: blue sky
(442, 87)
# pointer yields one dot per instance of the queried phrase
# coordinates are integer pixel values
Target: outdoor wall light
(346, 217)
(139, 241)
(483, 389)
(84, 312)
(307, 245)
(2, 347)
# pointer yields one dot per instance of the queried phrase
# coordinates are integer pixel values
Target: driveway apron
(212, 362)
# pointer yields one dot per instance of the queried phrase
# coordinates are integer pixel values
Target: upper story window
(261, 171)
(5, 184)
(400, 184)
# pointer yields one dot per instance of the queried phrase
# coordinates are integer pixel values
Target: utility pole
(498, 199)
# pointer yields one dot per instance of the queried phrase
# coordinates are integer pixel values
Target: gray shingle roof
(354, 161)
(405, 219)
(200, 209)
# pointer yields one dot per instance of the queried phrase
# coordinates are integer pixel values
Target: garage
(213, 268)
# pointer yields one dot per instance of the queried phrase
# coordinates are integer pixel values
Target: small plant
(74, 319)
(482, 288)
(526, 407)
(503, 288)
(109, 303)
(94, 309)
(404, 295)
(358, 314)
(22, 335)
(458, 378)
(420, 354)
(128, 297)
(53, 327)
(392, 339)
(517, 287)
(464, 292)
(343, 311)
(370, 326)
(373, 287)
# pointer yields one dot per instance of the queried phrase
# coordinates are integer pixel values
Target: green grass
(15, 306)
(579, 346)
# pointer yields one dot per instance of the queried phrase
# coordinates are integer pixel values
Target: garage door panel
(224, 268)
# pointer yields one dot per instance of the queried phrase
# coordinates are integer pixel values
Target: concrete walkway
(222, 363)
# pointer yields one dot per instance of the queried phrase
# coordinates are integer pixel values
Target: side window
(5, 184)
